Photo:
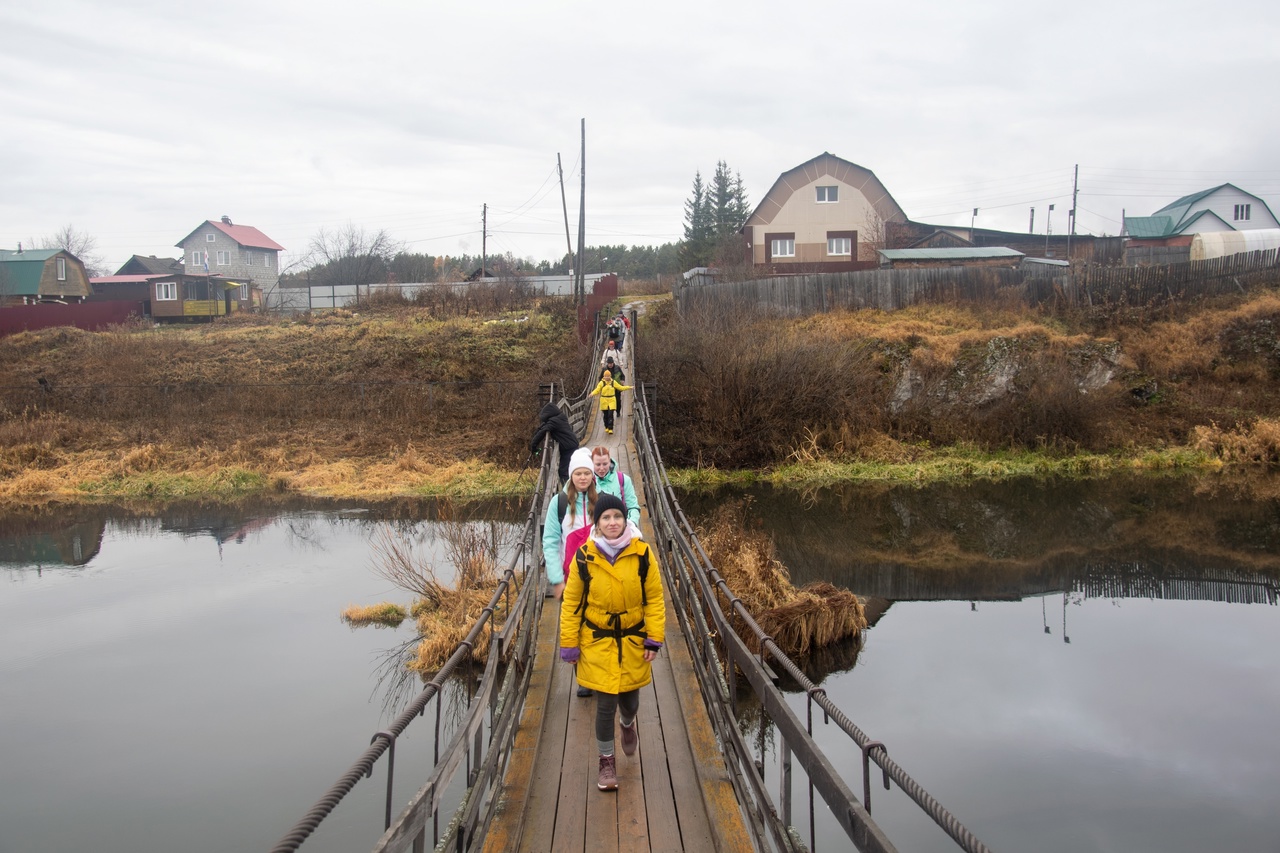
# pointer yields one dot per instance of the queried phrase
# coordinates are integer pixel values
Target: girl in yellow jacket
(612, 625)
(609, 391)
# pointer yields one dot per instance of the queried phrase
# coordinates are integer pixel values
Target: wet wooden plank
(542, 781)
(576, 783)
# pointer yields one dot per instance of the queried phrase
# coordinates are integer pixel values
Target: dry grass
(445, 611)
(740, 389)
(1256, 443)
(798, 620)
(401, 401)
(382, 615)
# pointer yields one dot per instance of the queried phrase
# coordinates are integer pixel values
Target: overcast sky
(136, 120)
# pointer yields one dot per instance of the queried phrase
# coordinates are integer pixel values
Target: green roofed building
(1221, 208)
(31, 276)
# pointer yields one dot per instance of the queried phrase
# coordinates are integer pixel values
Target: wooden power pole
(580, 285)
(568, 244)
(484, 235)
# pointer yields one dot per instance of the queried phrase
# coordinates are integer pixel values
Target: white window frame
(244, 293)
(266, 259)
(166, 291)
(834, 244)
(209, 238)
(782, 247)
(197, 259)
(224, 259)
(62, 269)
(1242, 212)
(827, 194)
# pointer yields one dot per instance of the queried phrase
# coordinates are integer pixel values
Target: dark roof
(150, 265)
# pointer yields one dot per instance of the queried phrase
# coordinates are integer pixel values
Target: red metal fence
(90, 315)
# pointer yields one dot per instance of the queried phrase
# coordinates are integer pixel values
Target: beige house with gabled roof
(825, 215)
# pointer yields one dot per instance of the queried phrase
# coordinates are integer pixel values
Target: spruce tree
(697, 246)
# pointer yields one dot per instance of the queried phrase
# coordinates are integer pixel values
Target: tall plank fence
(893, 289)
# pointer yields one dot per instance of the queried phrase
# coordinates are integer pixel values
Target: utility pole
(1048, 229)
(1031, 226)
(484, 234)
(568, 245)
(971, 219)
(581, 286)
(1075, 191)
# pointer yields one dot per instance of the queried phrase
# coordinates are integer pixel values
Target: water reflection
(1134, 714)
(180, 679)
(1114, 538)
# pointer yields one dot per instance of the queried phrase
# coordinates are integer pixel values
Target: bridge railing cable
(721, 656)
(481, 745)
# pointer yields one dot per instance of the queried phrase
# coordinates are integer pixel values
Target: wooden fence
(893, 289)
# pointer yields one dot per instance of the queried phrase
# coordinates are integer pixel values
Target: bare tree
(872, 237)
(79, 243)
(350, 255)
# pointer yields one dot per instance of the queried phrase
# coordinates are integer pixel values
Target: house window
(828, 195)
(166, 291)
(266, 259)
(209, 238)
(196, 259)
(839, 246)
(244, 293)
(62, 269)
(224, 259)
(782, 247)
(1242, 212)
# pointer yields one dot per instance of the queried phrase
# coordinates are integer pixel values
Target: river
(1070, 666)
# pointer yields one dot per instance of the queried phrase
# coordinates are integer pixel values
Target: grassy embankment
(440, 400)
(966, 390)
(395, 400)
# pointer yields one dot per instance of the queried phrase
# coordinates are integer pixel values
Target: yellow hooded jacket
(608, 391)
(616, 618)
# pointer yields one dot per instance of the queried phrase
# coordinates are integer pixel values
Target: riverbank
(401, 401)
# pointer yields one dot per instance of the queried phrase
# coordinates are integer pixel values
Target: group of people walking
(606, 577)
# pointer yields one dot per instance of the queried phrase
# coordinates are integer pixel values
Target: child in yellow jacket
(609, 392)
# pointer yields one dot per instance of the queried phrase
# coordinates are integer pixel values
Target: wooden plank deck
(674, 794)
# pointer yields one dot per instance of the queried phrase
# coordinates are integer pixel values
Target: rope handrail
(696, 570)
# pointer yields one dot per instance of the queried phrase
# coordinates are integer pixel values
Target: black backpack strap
(562, 502)
(644, 576)
(581, 559)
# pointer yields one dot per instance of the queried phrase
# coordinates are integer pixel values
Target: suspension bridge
(518, 771)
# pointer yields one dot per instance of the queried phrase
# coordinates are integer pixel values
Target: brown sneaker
(608, 773)
(630, 737)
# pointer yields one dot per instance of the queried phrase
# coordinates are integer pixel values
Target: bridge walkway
(673, 794)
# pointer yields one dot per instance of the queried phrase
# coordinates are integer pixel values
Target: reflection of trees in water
(1010, 539)
(399, 686)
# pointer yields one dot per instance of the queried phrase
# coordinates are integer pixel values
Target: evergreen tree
(713, 215)
(698, 232)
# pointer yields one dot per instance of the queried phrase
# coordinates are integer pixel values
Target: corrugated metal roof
(1148, 227)
(23, 269)
(961, 253)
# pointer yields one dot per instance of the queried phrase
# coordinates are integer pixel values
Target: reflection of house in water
(1090, 578)
(74, 544)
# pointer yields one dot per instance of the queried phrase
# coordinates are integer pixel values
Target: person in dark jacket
(555, 423)
(609, 365)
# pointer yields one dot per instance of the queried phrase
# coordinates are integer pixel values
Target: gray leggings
(607, 705)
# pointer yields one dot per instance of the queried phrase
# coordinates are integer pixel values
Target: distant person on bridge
(614, 370)
(608, 391)
(612, 625)
(554, 422)
(612, 351)
(611, 481)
